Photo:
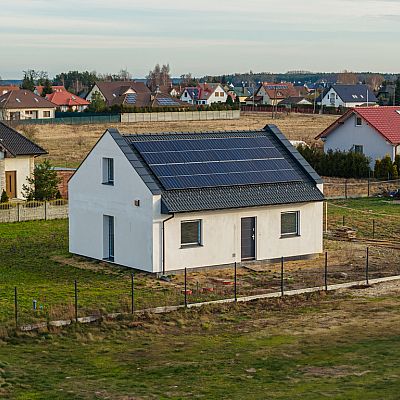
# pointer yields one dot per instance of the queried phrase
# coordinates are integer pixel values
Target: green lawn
(360, 214)
(320, 347)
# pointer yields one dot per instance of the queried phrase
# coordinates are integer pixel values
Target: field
(342, 345)
(68, 144)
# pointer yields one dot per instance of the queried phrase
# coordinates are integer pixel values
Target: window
(358, 148)
(191, 233)
(108, 237)
(46, 114)
(108, 171)
(358, 121)
(290, 224)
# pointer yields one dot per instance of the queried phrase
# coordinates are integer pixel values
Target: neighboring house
(373, 131)
(133, 94)
(242, 92)
(204, 94)
(23, 104)
(114, 92)
(39, 89)
(273, 93)
(294, 101)
(5, 89)
(348, 96)
(166, 202)
(66, 101)
(17, 160)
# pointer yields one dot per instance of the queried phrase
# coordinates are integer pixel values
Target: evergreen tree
(28, 82)
(97, 103)
(47, 88)
(43, 185)
(229, 101)
(4, 197)
(397, 93)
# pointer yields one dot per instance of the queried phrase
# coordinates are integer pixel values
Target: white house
(348, 96)
(17, 160)
(373, 131)
(160, 203)
(204, 94)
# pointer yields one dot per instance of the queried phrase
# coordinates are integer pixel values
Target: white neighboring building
(166, 202)
(348, 96)
(17, 160)
(373, 131)
(204, 94)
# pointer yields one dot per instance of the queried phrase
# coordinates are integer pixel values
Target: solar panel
(166, 101)
(198, 163)
(130, 98)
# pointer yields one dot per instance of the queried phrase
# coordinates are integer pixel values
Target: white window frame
(199, 241)
(297, 230)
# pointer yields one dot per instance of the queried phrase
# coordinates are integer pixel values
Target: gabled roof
(16, 144)
(280, 90)
(294, 100)
(39, 89)
(385, 120)
(64, 98)
(6, 88)
(220, 170)
(112, 90)
(354, 93)
(24, 99)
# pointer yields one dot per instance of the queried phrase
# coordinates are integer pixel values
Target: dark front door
(11, 184)
(248, 238)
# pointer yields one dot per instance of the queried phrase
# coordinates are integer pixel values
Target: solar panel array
(200, 163)
(166, 101)
(130, 98)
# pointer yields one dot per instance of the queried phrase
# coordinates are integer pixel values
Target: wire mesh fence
(130, 292)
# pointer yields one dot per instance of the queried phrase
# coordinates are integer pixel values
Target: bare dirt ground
(68, 144)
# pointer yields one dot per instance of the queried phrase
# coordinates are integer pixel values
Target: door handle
(253, 237)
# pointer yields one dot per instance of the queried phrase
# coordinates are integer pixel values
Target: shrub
(4, 197)
(386, 168)
(338, 164)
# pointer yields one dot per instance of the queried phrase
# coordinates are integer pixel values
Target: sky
(202, 37)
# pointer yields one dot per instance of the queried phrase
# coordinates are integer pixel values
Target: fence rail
(33, 210)
(82, 300)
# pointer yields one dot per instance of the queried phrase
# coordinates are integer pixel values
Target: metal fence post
(185, 287)
(326, 271)
(18, 212)
(16, 307)
(344, 220)
(76, 300)
(282, 286)
(132, 294)
(235, 283)
(367, 267)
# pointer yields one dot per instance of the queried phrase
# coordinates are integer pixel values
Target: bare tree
(159, 76)
(347, 78)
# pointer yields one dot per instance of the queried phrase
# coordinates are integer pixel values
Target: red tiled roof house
(373, 131)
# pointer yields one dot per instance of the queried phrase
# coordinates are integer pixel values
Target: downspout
(163, 242)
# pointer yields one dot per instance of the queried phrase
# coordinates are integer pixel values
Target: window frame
(297, 230)
(358, 146)
(357, 120)
(199, 241)
(108, 171)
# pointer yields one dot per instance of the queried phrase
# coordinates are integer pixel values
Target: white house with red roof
(204, 94)
(66, 101)
(373, 131)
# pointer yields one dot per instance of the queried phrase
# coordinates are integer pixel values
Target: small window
(358, 121)
(290, 224)
(108, 171)
(191, 233)
(46, 114)
(358, 148)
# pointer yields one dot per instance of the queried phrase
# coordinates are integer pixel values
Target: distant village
(37, 96)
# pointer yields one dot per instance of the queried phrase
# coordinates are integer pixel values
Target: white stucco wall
(40, 112)
(221, 236)
(92, 91)
(345, 136)
(90, 200)
(24, 168)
